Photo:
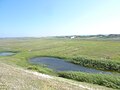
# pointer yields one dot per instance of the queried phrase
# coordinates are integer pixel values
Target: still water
(6, 53)
(62, 65)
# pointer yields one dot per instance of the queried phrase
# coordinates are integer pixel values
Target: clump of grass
(104, 80)
(41, 69)
(98, 64)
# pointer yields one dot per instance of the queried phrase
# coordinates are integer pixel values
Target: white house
(72, 37)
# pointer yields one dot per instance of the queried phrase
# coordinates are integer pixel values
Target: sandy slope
(14, 78)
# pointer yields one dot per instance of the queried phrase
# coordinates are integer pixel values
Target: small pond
(62, 65)
(6, 53)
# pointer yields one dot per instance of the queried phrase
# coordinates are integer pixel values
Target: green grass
(100, 54)
(100, 50)
(64, 47)
(41, 69)
(104, 80)
(98, 64)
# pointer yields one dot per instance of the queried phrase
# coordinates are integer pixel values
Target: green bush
(98, 64)
(100, 79)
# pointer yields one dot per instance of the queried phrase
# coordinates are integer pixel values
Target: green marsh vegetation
(98, 64)
(99, 54)
(104, 80)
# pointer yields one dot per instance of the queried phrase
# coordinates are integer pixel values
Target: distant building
(72, 37)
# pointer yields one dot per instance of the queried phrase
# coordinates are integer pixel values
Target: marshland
(97, 55)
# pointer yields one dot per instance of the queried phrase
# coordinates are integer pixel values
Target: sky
(38, 18)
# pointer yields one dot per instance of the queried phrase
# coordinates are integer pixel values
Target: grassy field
(67, 48)
(99, 51)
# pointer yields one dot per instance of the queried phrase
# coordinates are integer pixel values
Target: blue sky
(36, 18)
